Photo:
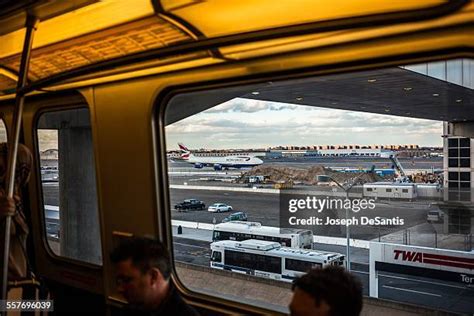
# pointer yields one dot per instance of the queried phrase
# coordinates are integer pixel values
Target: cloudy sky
(243, 123)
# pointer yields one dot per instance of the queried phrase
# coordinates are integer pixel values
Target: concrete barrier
(223, 188)
(193, 225)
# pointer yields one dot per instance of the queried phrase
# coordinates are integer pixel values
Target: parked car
(237, 216)
(219, 207)
(190, 204)
(434, 216)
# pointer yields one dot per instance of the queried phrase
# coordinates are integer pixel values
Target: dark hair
(333, 285)
(146, 253)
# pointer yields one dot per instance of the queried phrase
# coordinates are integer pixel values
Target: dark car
(237, 216)
(190, 204)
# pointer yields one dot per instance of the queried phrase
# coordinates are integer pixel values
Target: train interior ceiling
(105, 81)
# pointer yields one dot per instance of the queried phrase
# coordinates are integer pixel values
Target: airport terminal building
(458, 149)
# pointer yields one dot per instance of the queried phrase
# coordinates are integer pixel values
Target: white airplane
(219, 163)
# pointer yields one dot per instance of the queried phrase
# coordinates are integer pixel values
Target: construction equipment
(283, 185)
(398, 166)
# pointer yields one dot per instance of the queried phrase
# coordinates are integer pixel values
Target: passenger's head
(330, 292)
(143, 271)
(24, 163)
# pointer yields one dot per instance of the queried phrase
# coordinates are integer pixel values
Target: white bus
(269, 259)
(239, 230)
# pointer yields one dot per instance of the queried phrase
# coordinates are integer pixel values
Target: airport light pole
(348, 233)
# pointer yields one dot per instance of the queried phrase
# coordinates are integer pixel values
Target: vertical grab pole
(31, 24)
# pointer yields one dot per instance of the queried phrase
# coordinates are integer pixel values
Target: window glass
(437, 70)
(459, 221)
(453, 142)
(453, 163)
(465, 163)
(453, 176)
(216, 256)
(465, 176)
(465, 184)
(256, 148)
(453, 184)
(465, 152)
(465, 142)
(453, 153)
(69, 184)
(3, 132)
(454, 71)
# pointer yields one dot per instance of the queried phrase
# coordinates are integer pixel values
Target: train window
(3, 132)
(335, 138)
(69, 184)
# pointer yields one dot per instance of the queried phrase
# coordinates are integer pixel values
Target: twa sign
(408, 255)
(441, 265)
(436, 259)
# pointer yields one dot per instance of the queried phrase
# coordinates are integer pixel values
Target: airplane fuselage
(225, 162)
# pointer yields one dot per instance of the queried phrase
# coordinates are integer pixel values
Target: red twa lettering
(408, 256)
(397, 254)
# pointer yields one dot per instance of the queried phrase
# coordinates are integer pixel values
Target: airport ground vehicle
(219, 207)
(103, 73)
(434, 216)
(190, 204)
(389, 190)
(239, 231)
(49, 175)
(269, 259)
(237, 216)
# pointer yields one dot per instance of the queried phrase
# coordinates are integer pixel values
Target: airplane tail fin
(185, 152)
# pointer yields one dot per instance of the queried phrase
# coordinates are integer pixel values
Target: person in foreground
(331, 291)
(18, 268)
(143, 278)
